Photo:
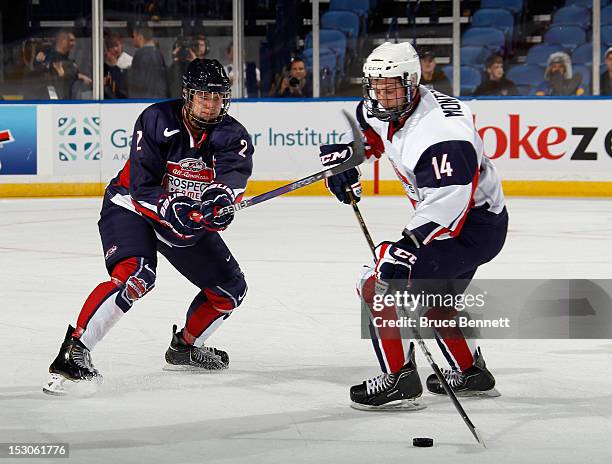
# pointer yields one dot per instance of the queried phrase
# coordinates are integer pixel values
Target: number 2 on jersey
(443, 168)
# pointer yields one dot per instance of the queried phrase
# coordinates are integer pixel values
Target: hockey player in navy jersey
(460, 219)
(188, 159)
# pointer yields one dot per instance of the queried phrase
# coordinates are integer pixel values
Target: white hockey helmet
(391, 60)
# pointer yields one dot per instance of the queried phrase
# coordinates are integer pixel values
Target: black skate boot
(181, 356)
(72, 365)
(475, 381)
(389, 392)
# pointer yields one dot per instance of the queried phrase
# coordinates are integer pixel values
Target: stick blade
(479, 437)
(358, 146)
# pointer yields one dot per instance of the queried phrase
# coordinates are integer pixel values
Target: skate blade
(188, 368)
(395, 406)
(58, 385)
(493, 393)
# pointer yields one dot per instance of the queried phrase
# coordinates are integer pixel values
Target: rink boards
(547, 147)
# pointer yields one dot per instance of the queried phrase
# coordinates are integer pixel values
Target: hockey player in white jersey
(460, 220)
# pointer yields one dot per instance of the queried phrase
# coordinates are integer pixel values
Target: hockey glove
(214, 197)
(176, 209)
(394, 264)
(331, 155)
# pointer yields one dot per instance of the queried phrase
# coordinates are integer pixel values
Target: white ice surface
(295, 346)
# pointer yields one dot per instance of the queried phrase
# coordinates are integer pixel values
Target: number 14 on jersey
(442, 167)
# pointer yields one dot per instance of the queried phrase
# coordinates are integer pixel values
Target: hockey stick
(449, 391)
(354, 160)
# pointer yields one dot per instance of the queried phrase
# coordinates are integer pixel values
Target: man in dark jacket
(431, 77)
(496, 84)
(148, 76)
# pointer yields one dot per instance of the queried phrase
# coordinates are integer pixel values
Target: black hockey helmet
(208, 80)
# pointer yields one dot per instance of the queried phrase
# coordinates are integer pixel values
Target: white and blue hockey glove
(214, 197)
(394, 264)
(176, 209)
(332, 155)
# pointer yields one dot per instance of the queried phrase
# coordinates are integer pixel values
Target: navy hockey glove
(394, 264)
(332, 155)
(214, 197)
(176, 209)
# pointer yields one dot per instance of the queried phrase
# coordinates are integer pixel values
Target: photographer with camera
(296, 84)
(183, 53)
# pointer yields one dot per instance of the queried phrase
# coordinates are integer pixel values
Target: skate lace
(206, 354)
(379, 383)
(453, 377)
(82, 358)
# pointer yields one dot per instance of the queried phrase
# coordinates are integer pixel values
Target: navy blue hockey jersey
(165, 157)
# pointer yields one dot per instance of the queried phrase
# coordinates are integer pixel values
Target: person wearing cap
(606, 77)
(559, 79)
(497, 83)
(431, 77)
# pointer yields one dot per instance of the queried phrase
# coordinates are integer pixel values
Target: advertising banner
(547, 139)
(76, 147)
(17, 139)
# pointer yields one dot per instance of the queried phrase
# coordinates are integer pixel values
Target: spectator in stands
(21, 79)
(496, 84)
(559, 80)
(115, 78)
(606, 77)
(63, 70)
(296, 84)
(124, 60)
(251, 74)
(183, 53)
(430, 76)
(201, 46)
(147, 77)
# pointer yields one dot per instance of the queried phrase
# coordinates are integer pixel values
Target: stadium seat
(361, 7)
(606, 35)
(327, 66)
(526, 77)
(584, 54)
(515, 6)
(473, 56)
(489, 37)
(583, 3)
(470, 78)
(568, 36)
(586, 73)
(606, 15)
(344, 21)
(334, 40)
(572, 15)
(495, 17)
(538, 54)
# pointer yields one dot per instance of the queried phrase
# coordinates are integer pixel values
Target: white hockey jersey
(438, 157)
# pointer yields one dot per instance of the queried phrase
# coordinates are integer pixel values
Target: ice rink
(294, 345)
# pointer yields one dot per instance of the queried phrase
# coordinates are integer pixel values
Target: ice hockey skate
(181, 356)
(72, 372)
(390, 392)
(477, 381)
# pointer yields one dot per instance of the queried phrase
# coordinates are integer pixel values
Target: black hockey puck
(422, 442)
